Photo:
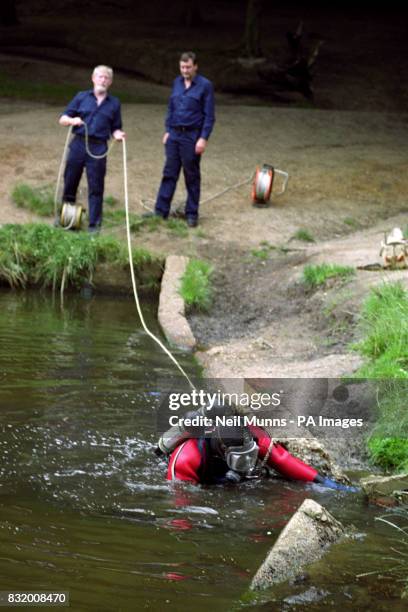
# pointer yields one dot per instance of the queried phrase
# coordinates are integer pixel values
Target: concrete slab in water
(304, 540)
(171, 313)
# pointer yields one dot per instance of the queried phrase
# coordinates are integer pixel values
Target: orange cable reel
(263, 183)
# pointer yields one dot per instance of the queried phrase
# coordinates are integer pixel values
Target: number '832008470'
(34, 598)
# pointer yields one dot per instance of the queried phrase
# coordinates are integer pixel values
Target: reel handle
(285, 179)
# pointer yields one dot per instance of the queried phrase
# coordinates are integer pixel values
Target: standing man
(189, 121)
(95, 116)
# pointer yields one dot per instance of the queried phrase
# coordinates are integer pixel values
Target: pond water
(84, 505)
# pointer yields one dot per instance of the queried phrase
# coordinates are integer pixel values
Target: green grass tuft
(264, 250)
(150, 223)
(384, 329)
(389, 453)
(304, 235)
(178, 227)
(138, 223)
(261, 253)
(141, 256)
(115, 218)
(384, 345)
(110, 201)
(40, 254)
(39, 200)
(110, 250)
(351, 222)
(196, 286)
(315, 276)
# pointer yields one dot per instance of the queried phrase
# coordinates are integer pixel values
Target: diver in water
(231, 453)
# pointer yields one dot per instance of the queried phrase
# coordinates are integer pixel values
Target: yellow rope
(129, 243)
(132, 272)
(63, 162)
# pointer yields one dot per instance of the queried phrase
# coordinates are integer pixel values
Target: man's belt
(91, 139)
(185, 128)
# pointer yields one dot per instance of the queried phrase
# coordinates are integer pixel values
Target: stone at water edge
(386, 490)
(171, 313)
(313, 452)
(304, 540)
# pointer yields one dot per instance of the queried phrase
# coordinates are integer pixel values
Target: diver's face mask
(235, 445)
(242, 459)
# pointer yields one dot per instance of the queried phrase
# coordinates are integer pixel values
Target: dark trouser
(78, 159)
(180, 153)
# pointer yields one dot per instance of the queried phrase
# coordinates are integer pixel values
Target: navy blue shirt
(101, 120)
(193, 106)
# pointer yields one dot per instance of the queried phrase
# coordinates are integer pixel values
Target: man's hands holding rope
(119, 135)
(66, 121)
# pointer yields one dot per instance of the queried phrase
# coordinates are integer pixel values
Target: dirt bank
(348, 177)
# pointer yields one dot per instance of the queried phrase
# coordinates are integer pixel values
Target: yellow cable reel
(71, 216)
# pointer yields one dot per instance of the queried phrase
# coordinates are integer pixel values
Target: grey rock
(304, 540)
(386, 490)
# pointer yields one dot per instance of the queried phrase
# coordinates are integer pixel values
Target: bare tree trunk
(192, 14)
(8, 13)
(296, 74)
(252, 28)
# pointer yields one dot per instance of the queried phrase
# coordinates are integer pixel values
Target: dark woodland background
(345, 55)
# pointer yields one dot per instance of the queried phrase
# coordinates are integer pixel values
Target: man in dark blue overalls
(102, 115)
(189, 121)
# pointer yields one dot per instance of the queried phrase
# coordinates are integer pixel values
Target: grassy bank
(39, 200)
(196, 285)
(37, 254)
(384, 346)
(315, 276)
